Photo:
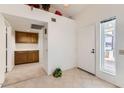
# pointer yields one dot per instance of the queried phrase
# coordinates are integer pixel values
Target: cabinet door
(34, 37)
(21, 37)
(33, 56)
(30, 56)
(36, 56)
(20, 57)
(26, 37)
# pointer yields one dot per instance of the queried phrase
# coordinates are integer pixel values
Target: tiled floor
(33, 76)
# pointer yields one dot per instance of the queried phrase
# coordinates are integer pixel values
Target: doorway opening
(25, 48)
(30, 46)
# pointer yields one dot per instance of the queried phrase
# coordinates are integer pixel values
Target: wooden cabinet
(23, 57)
(33, 56)
(26, 37)
(20, 57)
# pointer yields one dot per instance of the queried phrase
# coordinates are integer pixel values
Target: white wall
(10, 46)
(2, 49)
(93, 15)
(61, 45)
(61, 35)
(45, 51)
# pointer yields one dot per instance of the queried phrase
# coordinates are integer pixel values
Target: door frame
(99, 73)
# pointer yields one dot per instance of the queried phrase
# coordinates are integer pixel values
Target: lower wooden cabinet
(24, 57)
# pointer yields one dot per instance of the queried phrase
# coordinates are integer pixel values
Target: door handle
(93, 51)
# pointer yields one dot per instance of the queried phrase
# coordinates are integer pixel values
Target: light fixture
(66, 5)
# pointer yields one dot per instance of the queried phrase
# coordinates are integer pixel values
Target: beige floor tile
(33, 76)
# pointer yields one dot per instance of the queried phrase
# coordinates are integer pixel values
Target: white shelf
(25, 49)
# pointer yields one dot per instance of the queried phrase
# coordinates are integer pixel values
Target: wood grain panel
(20, 57)
(26, 37)
(24, 57)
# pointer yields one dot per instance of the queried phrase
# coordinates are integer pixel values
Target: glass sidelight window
(108, 29)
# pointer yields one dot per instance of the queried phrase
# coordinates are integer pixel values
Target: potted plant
(46, 7)
(57, 73)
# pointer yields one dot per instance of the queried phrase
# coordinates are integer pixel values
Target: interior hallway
(33, 76)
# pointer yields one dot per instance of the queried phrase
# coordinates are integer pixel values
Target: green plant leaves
(57, 73)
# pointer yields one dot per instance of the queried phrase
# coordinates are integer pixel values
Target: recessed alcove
(27, 42)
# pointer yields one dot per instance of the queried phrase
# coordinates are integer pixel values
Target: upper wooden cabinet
(26, 37)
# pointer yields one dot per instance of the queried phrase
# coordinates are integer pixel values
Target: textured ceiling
(69, 11)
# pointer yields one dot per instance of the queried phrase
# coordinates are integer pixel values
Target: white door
(2, 49)
(86, 48)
